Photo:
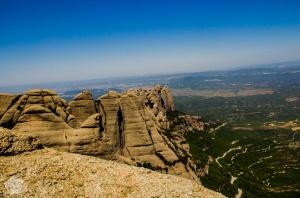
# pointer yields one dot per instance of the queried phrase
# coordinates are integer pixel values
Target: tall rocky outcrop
(129, 127)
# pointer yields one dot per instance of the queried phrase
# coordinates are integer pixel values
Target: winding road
(224, 154)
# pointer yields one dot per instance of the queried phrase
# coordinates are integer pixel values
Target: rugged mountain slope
(129, 127)
(50, 173)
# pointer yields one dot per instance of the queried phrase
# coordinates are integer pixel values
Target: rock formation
(129, 127)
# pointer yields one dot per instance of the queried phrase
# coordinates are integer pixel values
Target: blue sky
(45, 41)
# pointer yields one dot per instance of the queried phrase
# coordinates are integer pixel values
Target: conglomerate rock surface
(128, 127)
(51, 173)
(12, 144)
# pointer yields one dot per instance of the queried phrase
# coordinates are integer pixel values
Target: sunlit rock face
(127, 127)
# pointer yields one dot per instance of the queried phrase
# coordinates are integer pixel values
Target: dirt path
(217, 128)
(239, 194)
(224, 154)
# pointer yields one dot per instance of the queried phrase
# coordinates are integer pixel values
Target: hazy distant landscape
(257, 146)
(257, 151)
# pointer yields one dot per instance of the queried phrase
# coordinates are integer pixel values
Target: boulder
(40, 92)
(110, 95)
(36, 109)
(84, 95)
(35, 99)
(9, 118)
(82, 107)
(6, 101)
(12, 144)
(94, 121)
(49, 103)
(61, 112)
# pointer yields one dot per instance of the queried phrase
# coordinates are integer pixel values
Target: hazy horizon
(126, 77)
(53, 41)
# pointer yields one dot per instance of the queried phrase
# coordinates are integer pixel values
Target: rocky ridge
(129, 127)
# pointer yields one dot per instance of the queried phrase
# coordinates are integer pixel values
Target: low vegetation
(256, 151)
(261, 163)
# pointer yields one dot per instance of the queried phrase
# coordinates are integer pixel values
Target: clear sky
(58, 40)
